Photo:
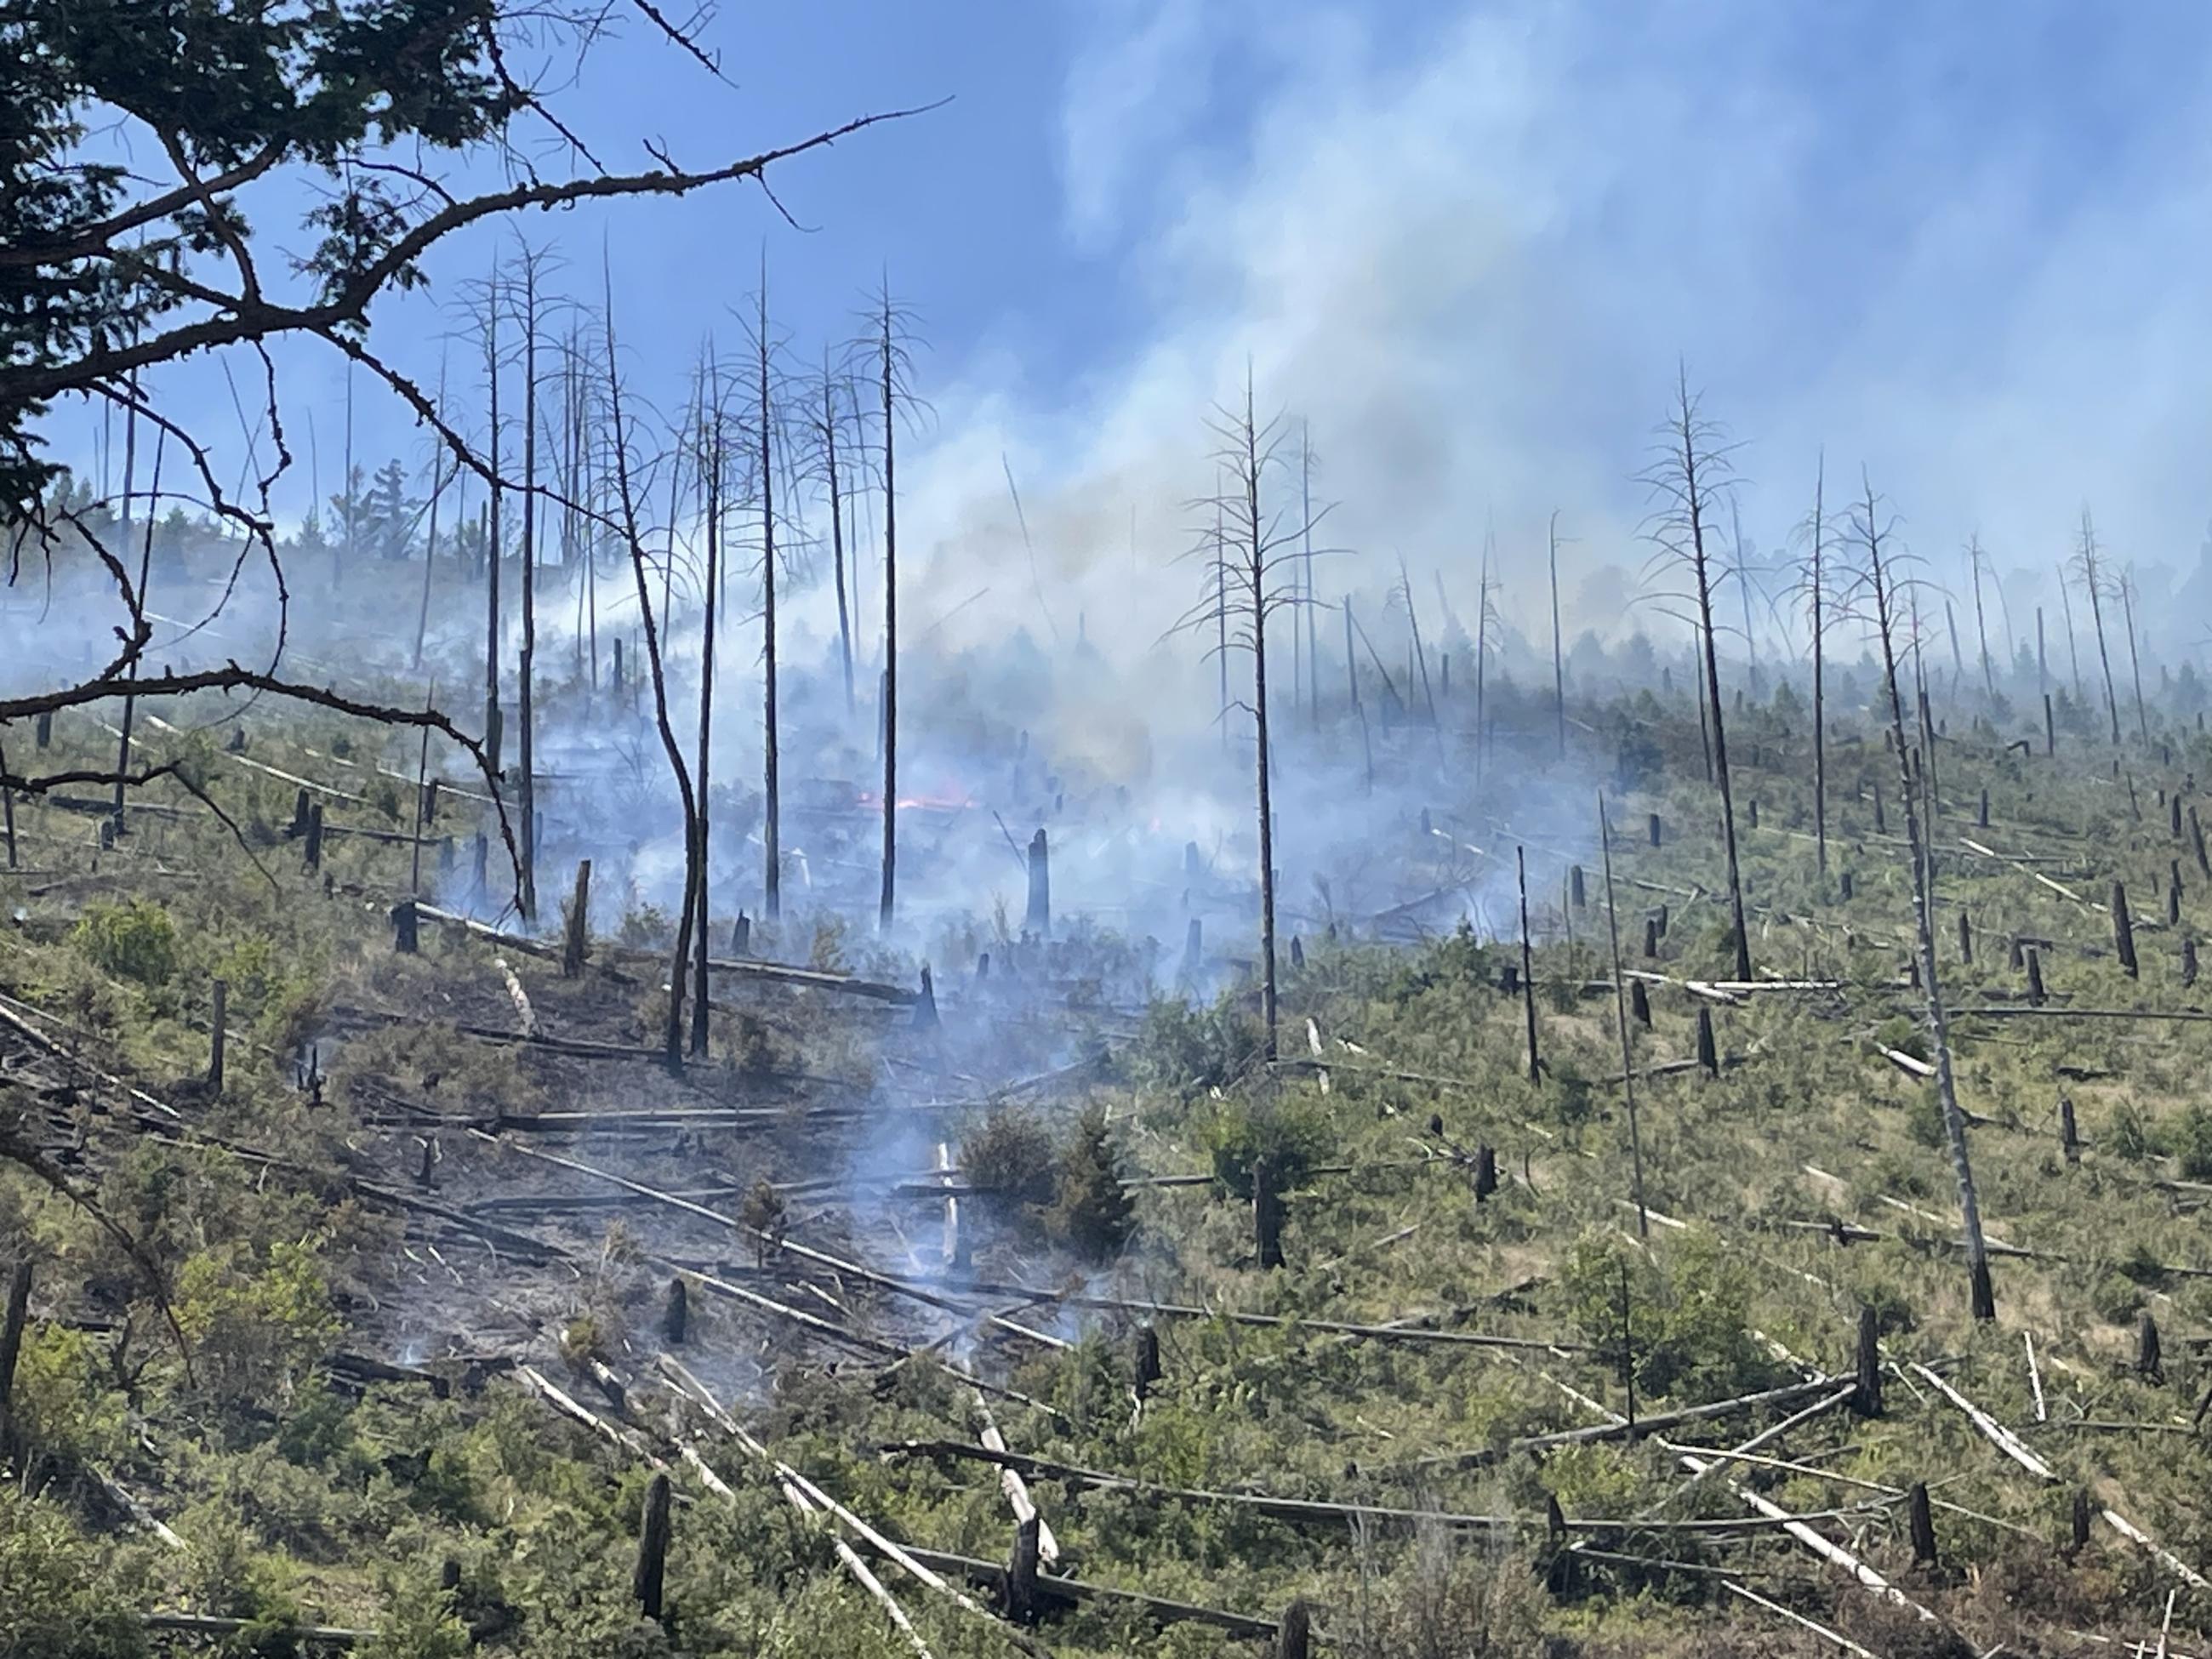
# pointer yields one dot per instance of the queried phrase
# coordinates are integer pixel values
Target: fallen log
(1318, 1511)
(628, 1439)
(1386, 1333)
(862, 1573)
(892, 1551)
(2193, 1015)
(1621, 1428)
(2012, 1447)
(1019, 1498)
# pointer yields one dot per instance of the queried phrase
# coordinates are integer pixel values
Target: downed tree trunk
(1016, 1489)
(1622, 1429)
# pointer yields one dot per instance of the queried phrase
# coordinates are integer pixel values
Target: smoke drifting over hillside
(1465, 259)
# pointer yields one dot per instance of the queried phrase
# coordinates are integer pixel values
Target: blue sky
(1965, 245)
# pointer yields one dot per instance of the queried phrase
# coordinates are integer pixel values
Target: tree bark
(1692, 483)
(1621, 1013)
(1983, 1295)
(1819, 682)
(672, 1032)
(836, 528)
(527, 898)
(492, 539)
(2092, 579)
(888, 903)
(772, 813)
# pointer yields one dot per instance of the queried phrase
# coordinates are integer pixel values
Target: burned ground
(420, 1248)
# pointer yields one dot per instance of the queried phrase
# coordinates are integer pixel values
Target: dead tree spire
(1620, 1012)
(1692, 466)
(1558, 655)
(711, 463)
(626, 500)
(1814, 595)
(2089, 561)
(1872, 535)
(771, 809)
(1976, 558)
(1250, 574)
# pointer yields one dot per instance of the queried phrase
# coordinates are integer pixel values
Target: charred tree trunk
(1690, 482)
(1305, 535)
(1820, 680)
(1866, 1387)
(771, 806)
(672, 1032)
(1528, 969)
(2134, 659)
(1037, 917)
(1981, 628)
(145, 574)
(887, 905)
(11, 1346)
(1559, 653)
(2092, 580)
(1266, 1214)
(576, 938)
(837, 529)
(492, 717)
(649, 1576)
(525, 663)
(710, 469)
(1620, 1013)
(1255, 529)
(430, 546)
(1983, 1294)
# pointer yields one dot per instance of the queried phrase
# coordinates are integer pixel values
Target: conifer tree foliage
(1092, 1211)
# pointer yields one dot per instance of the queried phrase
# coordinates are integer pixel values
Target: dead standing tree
(1874, 535)
(1814, 578)
(488, 313)
(1977, 558)
(768, 436)
(1558, 655)
(1252, 572)
(888, 347)
(834, 405)
(714, 465)
(2088, 564)
(2127, 585)
(1689, 472)
(1486, 623)
(627, 489)
(133, 269)
(531, 265)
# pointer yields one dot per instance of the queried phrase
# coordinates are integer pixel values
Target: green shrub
(2192, 1143)
(56, 1602)
(1924, 1117)
(256, 1328)
(134, 939)
(1091, 1212)
(1458, 959)
(1010, 1154)
(1683, 1335)
(1236, 1134)
(1185, 1049)
(2134, 1137)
